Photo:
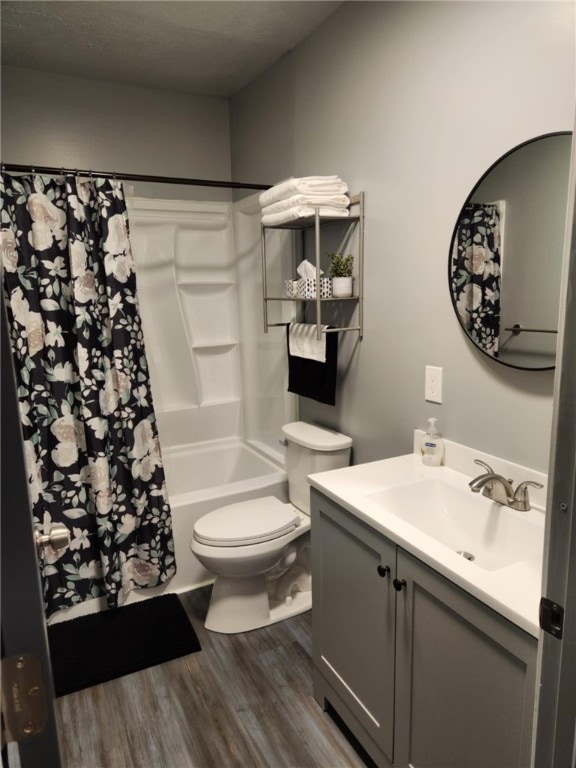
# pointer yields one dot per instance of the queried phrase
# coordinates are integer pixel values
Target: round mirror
(506, 254)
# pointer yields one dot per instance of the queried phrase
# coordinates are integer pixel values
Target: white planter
(342, 287)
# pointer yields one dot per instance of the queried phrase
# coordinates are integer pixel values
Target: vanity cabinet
(423, 674)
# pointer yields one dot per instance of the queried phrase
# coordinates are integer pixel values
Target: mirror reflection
(506, 254)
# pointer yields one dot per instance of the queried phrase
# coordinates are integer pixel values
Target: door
(556, 713)
(353, 623)
(27, 687)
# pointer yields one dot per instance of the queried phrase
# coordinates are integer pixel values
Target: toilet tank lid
(314, 437)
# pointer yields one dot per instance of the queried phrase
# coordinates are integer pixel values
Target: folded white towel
(307, 185)
(301, 212)
(334, 201)
(302, 342)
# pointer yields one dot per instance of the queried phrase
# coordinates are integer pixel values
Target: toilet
(259, 550)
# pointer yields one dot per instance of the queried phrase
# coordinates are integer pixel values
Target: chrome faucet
(500, 490)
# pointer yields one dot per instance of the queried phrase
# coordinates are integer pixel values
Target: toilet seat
(248, 522)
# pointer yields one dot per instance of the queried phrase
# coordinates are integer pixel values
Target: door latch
(551, 617)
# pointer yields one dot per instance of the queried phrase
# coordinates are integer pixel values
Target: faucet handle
(522, 491)
(487, 467)
(521, 494)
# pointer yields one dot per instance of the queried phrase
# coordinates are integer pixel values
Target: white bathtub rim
(226, 490)
(269, 455)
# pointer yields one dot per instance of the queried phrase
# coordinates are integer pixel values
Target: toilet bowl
(241, 600)
(259, 550)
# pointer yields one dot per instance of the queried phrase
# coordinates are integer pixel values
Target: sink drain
(465, 555)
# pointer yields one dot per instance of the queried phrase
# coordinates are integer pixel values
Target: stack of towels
(298, 198)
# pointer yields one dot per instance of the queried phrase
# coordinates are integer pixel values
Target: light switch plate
(433, 384)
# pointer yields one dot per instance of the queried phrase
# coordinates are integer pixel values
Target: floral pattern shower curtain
(475, 274)
(90, 438)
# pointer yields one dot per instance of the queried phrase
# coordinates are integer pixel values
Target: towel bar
(517, 329)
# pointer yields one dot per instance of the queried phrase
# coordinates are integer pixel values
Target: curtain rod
(51, 171)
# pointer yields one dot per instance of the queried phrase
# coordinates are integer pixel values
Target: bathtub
(199, 478)
(205, 476)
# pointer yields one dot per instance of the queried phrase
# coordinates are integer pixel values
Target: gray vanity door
(353, 624)
(465, 678)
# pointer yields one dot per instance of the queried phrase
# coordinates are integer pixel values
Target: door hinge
(23, 698)
(551, 617)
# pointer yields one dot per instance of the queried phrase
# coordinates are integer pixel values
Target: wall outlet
(433, 384)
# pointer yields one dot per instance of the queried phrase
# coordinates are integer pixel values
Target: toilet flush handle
(283, 442)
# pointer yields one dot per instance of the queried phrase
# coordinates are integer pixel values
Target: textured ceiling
(213, 48)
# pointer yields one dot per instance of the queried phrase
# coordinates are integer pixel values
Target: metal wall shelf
(317, 223)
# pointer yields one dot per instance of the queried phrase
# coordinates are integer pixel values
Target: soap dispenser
(432, 445)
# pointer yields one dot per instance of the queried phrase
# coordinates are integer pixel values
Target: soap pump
(432, 445)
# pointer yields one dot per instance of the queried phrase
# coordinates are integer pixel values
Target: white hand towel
(301, 212)
(307, 185)
(334, 201)
(303, 342)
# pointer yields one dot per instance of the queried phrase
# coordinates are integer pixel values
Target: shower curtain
(475, 274)
(90, 438)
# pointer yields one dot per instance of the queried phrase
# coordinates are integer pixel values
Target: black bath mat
(103, 646)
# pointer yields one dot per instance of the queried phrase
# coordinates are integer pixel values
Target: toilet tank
(311, 449)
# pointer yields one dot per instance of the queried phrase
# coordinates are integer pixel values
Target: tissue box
(291, 288)
(307, 288)
(325, 287)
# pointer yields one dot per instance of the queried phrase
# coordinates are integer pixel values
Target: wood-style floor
(244, 701)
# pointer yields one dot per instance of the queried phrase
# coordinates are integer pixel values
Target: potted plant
(341, 274)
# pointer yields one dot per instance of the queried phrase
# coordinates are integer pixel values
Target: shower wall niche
(202, 328)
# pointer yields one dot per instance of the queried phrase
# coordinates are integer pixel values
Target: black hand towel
(309, 378)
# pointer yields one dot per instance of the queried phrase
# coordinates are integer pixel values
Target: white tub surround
(508, 573)
(198, 268)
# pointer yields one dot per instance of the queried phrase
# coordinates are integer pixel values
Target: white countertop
(514, 591)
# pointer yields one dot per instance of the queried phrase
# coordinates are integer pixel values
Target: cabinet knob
(399, 584)
(383, 570)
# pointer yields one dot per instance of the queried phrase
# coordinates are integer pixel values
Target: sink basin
(491, 536)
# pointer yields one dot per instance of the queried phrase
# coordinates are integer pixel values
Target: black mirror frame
(472, 192)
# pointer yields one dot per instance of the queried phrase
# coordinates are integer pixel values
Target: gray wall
(412, 102)
(60, 120)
